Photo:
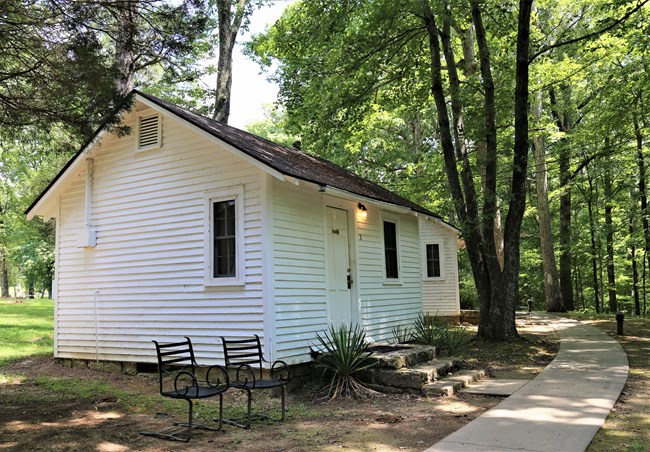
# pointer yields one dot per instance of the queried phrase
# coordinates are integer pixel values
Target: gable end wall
(144, 279)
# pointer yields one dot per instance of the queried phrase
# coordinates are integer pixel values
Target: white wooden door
(338, 267)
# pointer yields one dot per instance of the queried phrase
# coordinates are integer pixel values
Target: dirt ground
(35, 417)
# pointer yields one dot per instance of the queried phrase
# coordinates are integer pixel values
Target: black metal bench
(244, 357)
(177, 370)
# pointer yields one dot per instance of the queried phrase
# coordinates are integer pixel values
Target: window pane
(433, 260)
(224, 245)
(390, 249)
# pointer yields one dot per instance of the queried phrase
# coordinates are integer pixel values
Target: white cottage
(188, 227)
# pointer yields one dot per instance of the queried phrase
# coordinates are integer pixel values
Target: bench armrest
(217, 376)
(245, 375)
(184, 391)
(280, 371)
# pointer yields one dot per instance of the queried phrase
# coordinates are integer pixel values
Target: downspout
(89, 241)
(89, 191)
(96, 294)
(87, 237)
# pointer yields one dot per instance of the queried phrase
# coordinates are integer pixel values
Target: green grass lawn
(26, 329)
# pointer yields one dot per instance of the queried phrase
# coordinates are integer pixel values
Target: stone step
(398, 356)
(411, 379)
(452, 383)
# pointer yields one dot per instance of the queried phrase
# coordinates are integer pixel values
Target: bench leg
(175, 433)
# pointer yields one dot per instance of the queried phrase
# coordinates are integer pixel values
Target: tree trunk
(551, 280)
(578, 284)
(609, 230)
(564, 124)
(640, 160)
(633, 261)
(463, 195)
(125, 56)
(497, 286)
(229, 24)
(645, 293)
(594, 249)
(4, 273)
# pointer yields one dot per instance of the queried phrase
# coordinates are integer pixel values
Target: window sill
(392, 282)
(230, 282)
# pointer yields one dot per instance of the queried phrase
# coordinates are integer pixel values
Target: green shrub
(457, 340)
(402, 333)
(344, 356)
(430, 330)
(437, 332)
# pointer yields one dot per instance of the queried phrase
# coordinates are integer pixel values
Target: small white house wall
(386, 303)
(299, 280)
(144, 279)
(299, 276)
(440, 296)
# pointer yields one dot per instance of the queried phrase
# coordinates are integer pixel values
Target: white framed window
(433, 260)
(149, 132)
(390, 239)
(224, 237)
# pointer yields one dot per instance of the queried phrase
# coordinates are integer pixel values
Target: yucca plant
(457, 340)
(401, 333)
(344, 356)
(430, 330)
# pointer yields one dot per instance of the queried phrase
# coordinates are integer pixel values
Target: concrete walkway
(562, 408)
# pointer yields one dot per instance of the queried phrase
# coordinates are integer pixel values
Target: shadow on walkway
(562, 408)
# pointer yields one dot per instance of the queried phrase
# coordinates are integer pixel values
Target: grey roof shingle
(286, 160)
(290, 161)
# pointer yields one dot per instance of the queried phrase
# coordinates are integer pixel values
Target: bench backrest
(174, 356)
(243, 351)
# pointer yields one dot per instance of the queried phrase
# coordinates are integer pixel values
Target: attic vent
(149, 132)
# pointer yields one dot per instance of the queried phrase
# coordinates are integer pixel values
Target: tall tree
(551, 280)
(564, 120)
(63, 66)
(49, 73)
(608, 193)
(233, 15)
(339, 63)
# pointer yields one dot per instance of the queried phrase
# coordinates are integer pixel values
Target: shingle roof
(286, 160)
(290, 161)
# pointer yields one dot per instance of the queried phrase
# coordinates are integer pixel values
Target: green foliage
(430, 330)
(344, 356)
(355, 81)
(273, 127)
(402, 333)
(439, 332)
(457, 340)
(51, 73)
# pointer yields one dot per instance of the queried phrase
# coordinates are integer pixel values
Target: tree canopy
(525, 123)
(458, 77)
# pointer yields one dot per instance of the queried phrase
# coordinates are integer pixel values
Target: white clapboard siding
(144, 279)
(300, 290)
(440, 296)
(385, 303)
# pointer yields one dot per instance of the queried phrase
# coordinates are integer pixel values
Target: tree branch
(589, 35)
